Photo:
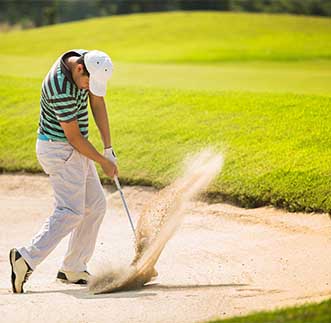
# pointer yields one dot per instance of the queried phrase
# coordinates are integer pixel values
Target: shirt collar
(65, 68)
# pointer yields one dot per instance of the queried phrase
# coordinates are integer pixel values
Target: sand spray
(158, 222)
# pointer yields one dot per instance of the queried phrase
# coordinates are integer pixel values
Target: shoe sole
(13, 275)
(63, 278)
(66, 281)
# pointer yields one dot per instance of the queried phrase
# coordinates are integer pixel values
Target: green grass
(182, 37)
(309, 77)
(312, 313)
(186, 80)
(276, 146)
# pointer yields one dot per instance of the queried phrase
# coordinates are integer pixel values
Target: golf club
(124, 203)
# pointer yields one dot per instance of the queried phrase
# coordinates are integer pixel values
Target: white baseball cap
(100, 67)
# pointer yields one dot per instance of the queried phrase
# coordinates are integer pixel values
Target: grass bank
(312, 313)
(276, 146)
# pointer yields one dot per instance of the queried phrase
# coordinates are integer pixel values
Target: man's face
(81, 80)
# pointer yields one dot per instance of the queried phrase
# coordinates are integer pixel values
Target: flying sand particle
(158, 222)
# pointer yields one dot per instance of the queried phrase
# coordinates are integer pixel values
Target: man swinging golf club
(67, 156)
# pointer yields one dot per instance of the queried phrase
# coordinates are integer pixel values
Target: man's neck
(71, 62)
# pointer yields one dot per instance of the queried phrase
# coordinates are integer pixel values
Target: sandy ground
(223, 261)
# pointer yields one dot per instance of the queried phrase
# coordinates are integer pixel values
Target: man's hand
(109, 168)
(110, 155)
(75, 138)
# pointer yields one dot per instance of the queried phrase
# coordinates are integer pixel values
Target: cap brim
(97, 88)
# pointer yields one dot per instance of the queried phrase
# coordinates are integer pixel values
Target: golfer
(67, 156)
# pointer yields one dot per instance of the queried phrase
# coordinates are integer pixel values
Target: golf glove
(110, 154)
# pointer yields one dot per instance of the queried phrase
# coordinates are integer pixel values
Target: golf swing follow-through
(67, 156)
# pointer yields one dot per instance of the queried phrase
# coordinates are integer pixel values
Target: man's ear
(80, 68)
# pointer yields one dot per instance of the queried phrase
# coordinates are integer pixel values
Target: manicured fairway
(182, 37)
(310, 77)
(259, 92)
(276, 146)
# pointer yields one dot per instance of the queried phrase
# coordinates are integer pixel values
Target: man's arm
(99, 111)
(75, 138)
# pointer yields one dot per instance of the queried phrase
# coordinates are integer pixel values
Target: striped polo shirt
(62, 101)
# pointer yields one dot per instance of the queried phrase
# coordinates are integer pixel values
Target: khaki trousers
(80, 206)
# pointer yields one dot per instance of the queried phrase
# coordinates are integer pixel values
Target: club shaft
(124, 203)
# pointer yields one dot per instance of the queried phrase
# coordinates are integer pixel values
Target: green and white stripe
(62, 101)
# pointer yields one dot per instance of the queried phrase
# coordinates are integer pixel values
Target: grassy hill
(175, 91)
(310, 313)
(182, 37)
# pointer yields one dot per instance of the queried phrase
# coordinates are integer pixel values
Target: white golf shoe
(20, 271)
(72, 277)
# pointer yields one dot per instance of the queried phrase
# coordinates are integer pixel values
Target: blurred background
(35, 13)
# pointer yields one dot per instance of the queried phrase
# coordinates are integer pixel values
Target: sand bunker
(158, 222)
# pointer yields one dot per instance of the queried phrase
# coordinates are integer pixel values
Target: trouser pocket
(53, 156)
